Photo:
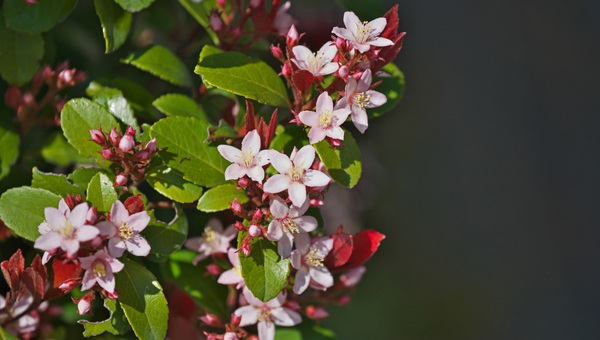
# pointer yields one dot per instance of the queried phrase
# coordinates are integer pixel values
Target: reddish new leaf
(250, 123)
(35, 283)
(391, 27)
(13, 269)
(366, 243)
(64, 271)
(265, 131)
(302, 79)
(341, 251)
(134, 204)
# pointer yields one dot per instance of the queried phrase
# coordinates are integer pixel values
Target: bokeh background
(486, 176)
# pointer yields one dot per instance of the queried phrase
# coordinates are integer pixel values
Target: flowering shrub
(244, 255)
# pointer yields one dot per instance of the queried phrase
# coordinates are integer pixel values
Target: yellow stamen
(296, 173)
(314, 258)
(99, 270)
(265, 315)
(247, 157)
(362, 99)
(67, 229)
(290, 227)
(125, 231)
(208, 235)
(325, 118)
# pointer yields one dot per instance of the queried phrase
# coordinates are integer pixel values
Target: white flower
(267, 314)
(248, 161)
(362, 35)
(358, 98)
(295, 174)
(318, 63)
(309, 265)
(123, 231)
(283, 21)
(288, 225)
(213, 240)
(100, 268)
(326, 121)
(232, 276)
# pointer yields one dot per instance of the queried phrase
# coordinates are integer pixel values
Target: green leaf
(342, 163)
(101, 193)
(162, 63)
(115, 23)
(170, 183)
(114, 101)
(138, 97)
(286, 139)
(142, 300)
(80, 115)
(38, 17)
(55, 183)
(264, 272)
(200, 10)
(115, 324)
(58, 151)
(134, 5)
(219, 197)
(20, 54)
(82, 176)
(164, 238)
(4, 335)
(183, 149)
(392, 88)
(22, 210)
(9, 150)
(193, 280)
(235, 72)
(175, 104)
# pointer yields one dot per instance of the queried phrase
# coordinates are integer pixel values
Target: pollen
(314, 258)
(362, 99)
(98, 270)
(265, 315)
(125, 231)
(208, 235)
(325, 118)
(247, 157)
(296, 173)
(66, 230)
(290, 227)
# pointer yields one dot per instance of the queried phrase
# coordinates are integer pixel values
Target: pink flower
(99, 268)
(295, 174)
(309, 265)
(326, 121)
(248, 161)
(352, 277)
(362, 35)
(213, 240)
(65, 229)
(358, 97)
(288, 225)
(267, 314)
(283, 21)
(232, 276)
(123, 231)
(318, 63)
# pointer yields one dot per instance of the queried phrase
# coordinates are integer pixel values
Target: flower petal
(284, 245)
(138, 245)
(251, 142)
(55, 218)
(297, 193)
(306, 223)
(324, 103)
(377, 26)
(107, 281)
(286, 317)
(301, 53)
(256, 173)
(78, 215)
(234, 171)
(86, 233)
(88, 280)
(321, 276)
(360, 119)
(296, 259)
(276, 184)
(316, 134)
(381, 42)
(118, 213)
(315, 178)
(71, 246)
(376, 99)
(107, 229)
(116, 265)
(280, 162)
(48, 241)
(229, 277)
(274, 232)
(266, 330)
(305, 157)
(278, 208)
(139, 221)
(336, 132)
(329, 68)
(365, 81)
(249, 315)
(352, 21)
(301, 280)
(310, 118)
(230, 153)
(116, 247)
(342, 33)
(302, 241)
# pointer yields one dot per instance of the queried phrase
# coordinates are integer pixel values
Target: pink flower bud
(106, 154)
(114, 137)
(254, 231)
(245, 247)
(84, 304)
(285, 70)
(243, 182)
(342, 300)
(213, 269)
(257, 215)
(235, 320)
(126, 143)
(143, 155)
(315, 313)
(344, 71)
(294, 305)
(340, 43)
(13, 97)
(291, 37)
(30, 2)
(130, 131)
(315, 202)
(230, 336)
(216, 23)
(236, 206)
(112, 295)
(210, 319)
(69, 284)
(239, 226)
(65, 78)
(96, 242)
(120, 180)
(276, 51)
(92, 216)
(255, 3)
(334, 142)
(151, 147)
(28, 98)
(98, 137)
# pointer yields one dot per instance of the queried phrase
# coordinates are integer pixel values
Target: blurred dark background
(487, 177)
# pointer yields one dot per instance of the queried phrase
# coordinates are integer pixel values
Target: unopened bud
(254, 231)
(216, 23)
(126, 143)
(344, 71)
(98, 137)
(277, 52)
(235, 320)
(143, 155)
(340, 43)
(315, 313)
(257, 215)
(334, 142)
(48, 74)
(236, 206)
(92, 216)
(245, 247)
(210, 319)
(60, 103)
(106, 154)
(151, 146)
(213, 269)
(243, 182)
(112, 295)
(315, 202)
(342, 299)
(114, 137)
(291, 38)
(65, 78)
(96, 242)
(120, 180)
(84, 304)
(239, 226)
(130, 131)
(28, 98)
(293, 305)
(221, 3)
(285, 70)
(230, 336)
(69, 284)
(352, 277)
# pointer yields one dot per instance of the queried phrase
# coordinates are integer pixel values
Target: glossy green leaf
(4, 335)
(236, 73)
(193, 280)
(115, 21)
(392, 87)
(142, 300)
(265, 272)
(22, 209)
(80, 115)
(162, 63)
(37, 17)
(183, 149)
(175, 104)
(285, 139)
(134, 5)
(342, 163)
(114, 101)
(164, 239)
(58, 151)
(82, 176)
(200, 10)
(20, 54)
(9, 150)
(56, 183)
(219, 197)
(170, 183)
(115, 324)
(137, 96)
(101, 193)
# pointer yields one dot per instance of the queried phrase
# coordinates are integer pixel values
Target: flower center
(325, 118)
(265, 314)
(296, 173)
(208, 235)
(314, 258)
(314, 61)
(125, 231)
(290, 227)
(362, 99)
(237, 270)
(66, 230)
(363, 31)
(247, 157)
(98, 270)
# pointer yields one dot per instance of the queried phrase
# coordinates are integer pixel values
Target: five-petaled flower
(326, 121)
(123, 231)
(295, 174)
(267, 314)
(362, 35)
(247, 161)
(213, 240)
(232, 276)
(65, 229)
(359, 98)
(99, 268)
(318, 63)
(308, 262)
(289, 225)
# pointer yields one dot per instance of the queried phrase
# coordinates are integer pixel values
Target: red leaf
(302, 79)
(391, 28)
(341, 251)
(64, 271)
(251, 120)
(134, 204)
(366, 243)
(34, 283)
(13, 269)
(388, 53)
(265, 131)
